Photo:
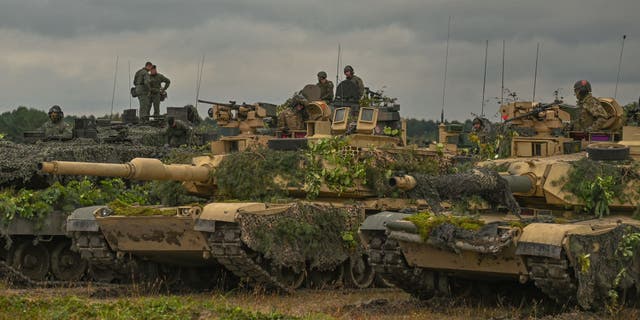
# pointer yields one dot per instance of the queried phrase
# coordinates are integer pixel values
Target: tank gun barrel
(519, 184)
(137, 169)
(404, 182)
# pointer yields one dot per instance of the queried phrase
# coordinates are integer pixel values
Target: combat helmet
(349, 68)
(58, 111)
(322, 74)
(582, 88)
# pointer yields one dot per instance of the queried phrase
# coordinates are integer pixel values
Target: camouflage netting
(606, 264)
(484, 183)
(18, 162)
(319, 235)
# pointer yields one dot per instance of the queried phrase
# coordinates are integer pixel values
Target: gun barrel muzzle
(404, 182)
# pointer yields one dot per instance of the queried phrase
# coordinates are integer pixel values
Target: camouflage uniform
(593, 116)
(326, 91)
(141, 81)
(178, 134)
(290, 119)
(59, 130)
(358, 82)
(155, 86)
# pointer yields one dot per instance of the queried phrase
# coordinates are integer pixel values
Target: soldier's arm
(330, 95)
(147, 82)
(167, 82)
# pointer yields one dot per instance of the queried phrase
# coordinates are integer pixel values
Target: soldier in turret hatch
(294, 117)
(326, 87)
(178, 132)
(592, 115)
(56, 128)
(348, 72)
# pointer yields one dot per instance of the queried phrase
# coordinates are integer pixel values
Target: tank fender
(546, 239)
(378, 221)
(84, 219)
(223, 212)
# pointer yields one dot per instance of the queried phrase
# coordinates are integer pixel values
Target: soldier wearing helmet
(294, 117)
(326, 87)
(592, 115)
(348, 72)
(178, 132)
(56, 128)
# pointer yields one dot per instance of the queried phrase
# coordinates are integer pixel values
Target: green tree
(14, 123)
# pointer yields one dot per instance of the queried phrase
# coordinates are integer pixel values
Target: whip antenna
(113, 94)
(484, 80)
(615, 92)
(502, 75)
(199, 81)
(535, 72)
(446, 62)
(129, 63)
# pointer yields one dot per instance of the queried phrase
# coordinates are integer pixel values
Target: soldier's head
(148, 65)
(477, 124)
(322, 77)
(55, 113)
(348, 71)
(154, 69)
(171, 121)
(581, 89)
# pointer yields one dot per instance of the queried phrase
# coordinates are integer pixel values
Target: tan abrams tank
(576, 238)
(309, 236)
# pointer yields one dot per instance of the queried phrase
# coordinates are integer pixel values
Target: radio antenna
(113, 94)
(502, 75)
(129, 63)
(615, 92)
(446, 62)
(535, 72)
(484, 80)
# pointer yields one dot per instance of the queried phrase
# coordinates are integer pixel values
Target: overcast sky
(64, 51)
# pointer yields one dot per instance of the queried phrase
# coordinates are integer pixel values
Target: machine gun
(534, 112)
(247, 117)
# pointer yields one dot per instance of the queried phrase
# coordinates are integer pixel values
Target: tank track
(388, 261)
(554, 277)
(226, 247)
(16, 277)
(93, 247)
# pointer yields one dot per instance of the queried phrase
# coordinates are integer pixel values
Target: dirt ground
(345, 304)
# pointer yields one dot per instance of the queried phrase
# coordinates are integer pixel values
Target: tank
(38, 247)
(281, 212)
(563, 219)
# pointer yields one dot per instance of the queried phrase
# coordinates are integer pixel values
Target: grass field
(129, 303)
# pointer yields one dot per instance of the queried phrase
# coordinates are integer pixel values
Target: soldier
(192, 114)
(348, 72)
(56, 128)
(141, 81)
(178, 132)
(293, 118)
(158, 92)
(326, 87)
(592, 116)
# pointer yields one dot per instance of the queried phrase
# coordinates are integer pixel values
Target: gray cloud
(63, 51)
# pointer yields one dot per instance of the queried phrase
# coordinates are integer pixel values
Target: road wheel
(359, 273)
(67, 265)
(31, 260)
